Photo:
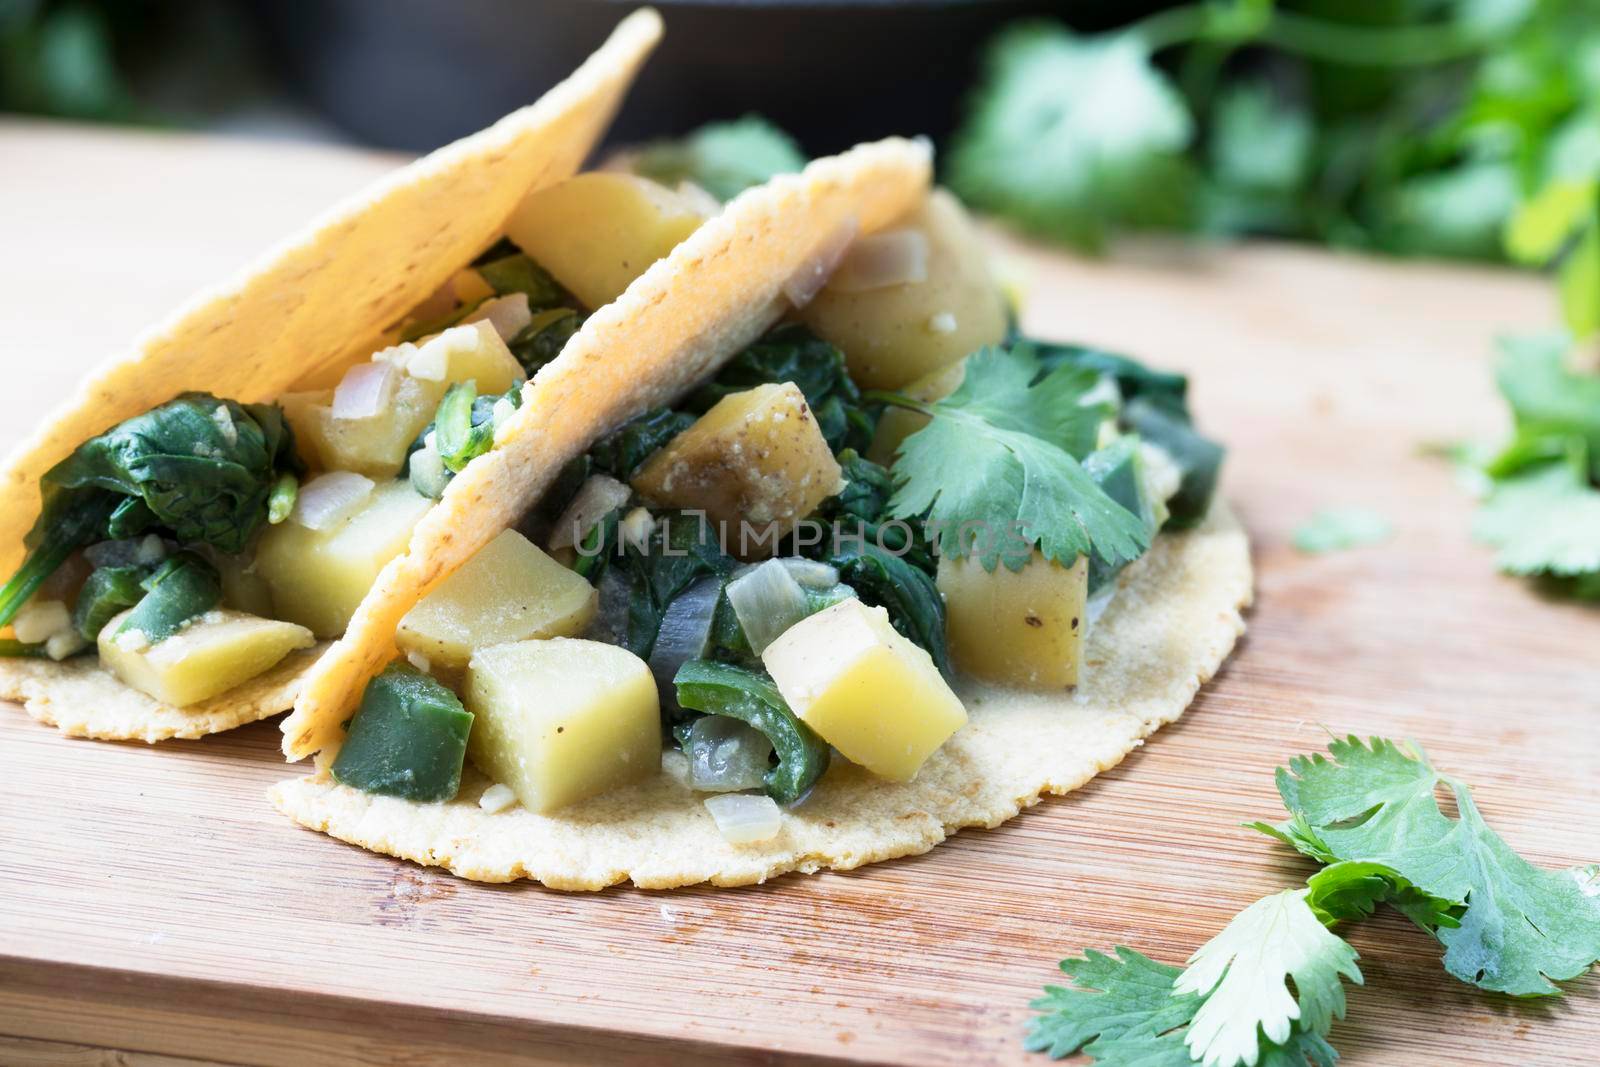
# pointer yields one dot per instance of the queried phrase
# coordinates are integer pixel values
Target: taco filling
(789, 568)
(193, 547)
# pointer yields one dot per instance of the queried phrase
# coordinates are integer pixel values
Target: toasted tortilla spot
(83, 699)
(1174, 620)
(715, 294)
(319, 300)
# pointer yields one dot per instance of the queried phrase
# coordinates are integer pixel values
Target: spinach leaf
(792, 353)
(106, 593)
(908, 593)
(517, 273)
(750, 697)
(682, 549)
(542, 340)
(1199, 460)
(197, 467)
(11, 648)
(182, 588)
(865, 497)
(1163, 389)
(624, 450)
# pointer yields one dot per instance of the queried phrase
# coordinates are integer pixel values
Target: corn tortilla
(715, 294)
(316, 302)
(1171, 624)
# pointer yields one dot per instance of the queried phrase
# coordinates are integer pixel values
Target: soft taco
(210, 509)
(838, 564)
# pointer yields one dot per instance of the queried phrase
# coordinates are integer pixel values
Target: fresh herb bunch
(1410, 128)
(1370, 816)
(1541, 489)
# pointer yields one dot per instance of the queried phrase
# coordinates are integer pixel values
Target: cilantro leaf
(1066, 134)
(1243, 974)
(723, 158)
(1331, 530)
(997, 460)
(1543, 521)
(1545, 396)
(1521, 927)
(1350, 890)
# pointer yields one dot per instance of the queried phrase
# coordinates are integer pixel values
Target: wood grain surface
(151, 902)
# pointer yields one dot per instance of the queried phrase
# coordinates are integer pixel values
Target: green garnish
(723, 158)
(1369, 813)
(408, 739)
(750, 697)
(463, 428)
(1561, 225)
(107, 593)
(180, 589)
(1331, 530)
(996, 469)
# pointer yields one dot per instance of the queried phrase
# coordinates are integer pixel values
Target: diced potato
(597, 232)
(509, 591)
(563, 719)
(756, 456)
(472, 351)
(373, 446)
(896, 424)
(865, 688)
(1021, 628)
(210, 656)
(318, 577)
(896, 334)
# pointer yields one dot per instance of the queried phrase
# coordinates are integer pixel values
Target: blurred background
(1410, 127)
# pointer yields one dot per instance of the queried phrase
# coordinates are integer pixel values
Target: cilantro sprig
(1000, 456)
(1268, 988)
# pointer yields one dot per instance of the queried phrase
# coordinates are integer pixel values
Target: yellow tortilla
(716, 293)
(317, 301)
(1168, 629)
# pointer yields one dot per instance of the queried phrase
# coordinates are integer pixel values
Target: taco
(210, 509)
(855, 564)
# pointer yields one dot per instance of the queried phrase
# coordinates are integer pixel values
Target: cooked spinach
(1164, 389)
(1199, 460)
(544, 337)
(11, 648)
(182, 588)
(908, 593)
(682, 549)
(197, 468)
(792, 353)
(624, 450)
(107, 592)
(517, 273)
(750, 697)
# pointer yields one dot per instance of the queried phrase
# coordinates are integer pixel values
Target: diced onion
(726, 755)
(497, 798)
(63, 643)
(899, 257)
(636, 527)
(365, 391)
(745, 820)
(40, 620)
(811, 574)
(135, 550)
(151, 550)
(806, 282)
(685, 629)
(767, 601)
(600, 496)
(329, 499)
(507, 314)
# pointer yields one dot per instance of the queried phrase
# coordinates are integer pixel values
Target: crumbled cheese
(497, 798)
(39, 620)
(224, 420)
(943, 322)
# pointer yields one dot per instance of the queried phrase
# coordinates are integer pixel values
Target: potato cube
(470, 352)
(894, 334)
(563, 719)
(509, 591)
(374, 446)
(865, 689)
(597, 232)
(319, 577)
(756, 456)
(1022, 628)
(210, 656)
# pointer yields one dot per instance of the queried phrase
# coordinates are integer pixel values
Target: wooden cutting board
(151, 901)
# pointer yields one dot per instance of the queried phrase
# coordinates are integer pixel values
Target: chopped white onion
(899, 257)
(366, 390)
(600, 495)
(507, 314)
(811, 574)
(329, 499)
(143, 550)
(745, 820)
(767, 601)
(685, 630)
(637, 526)
(726, 755)
(151, 549)
(63, 643)
(40, 620)
(806, 282)
(419, 661)
(497, 798)
(224, 420)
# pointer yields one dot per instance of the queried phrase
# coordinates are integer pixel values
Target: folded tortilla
(1172, 622)
(316, 303)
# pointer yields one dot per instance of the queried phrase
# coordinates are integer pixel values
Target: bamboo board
(151, 902)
